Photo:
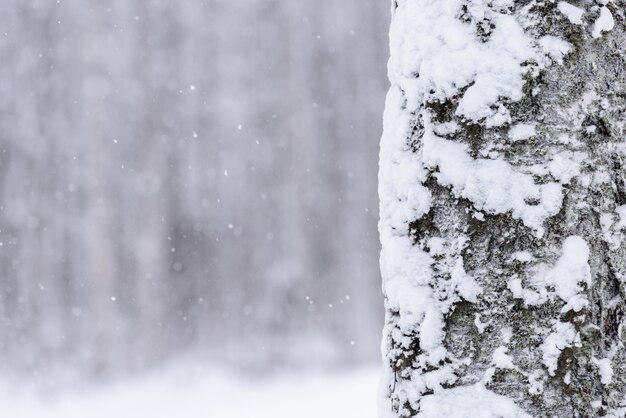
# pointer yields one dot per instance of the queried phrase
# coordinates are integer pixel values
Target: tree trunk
(503, 209)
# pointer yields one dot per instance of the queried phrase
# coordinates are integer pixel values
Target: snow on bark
(574, 14)
(502, 209)
(604, 22)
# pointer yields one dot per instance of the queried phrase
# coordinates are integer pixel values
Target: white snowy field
(174, 393)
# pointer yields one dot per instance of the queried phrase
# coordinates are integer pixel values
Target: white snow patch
(447, 128)
(572, 13)
(491, 185)
(506, 334)
(530, 297)
(406, 284)
(522, 131)
(606, 223)
(571, 269)
(604, 23)
(567, 378)
(402, 195)
(556, 48)
(480, 326)
(431, 41)
(465, 285)
(535, 382)
(564, 335)
(565, 166)
(605, 369)
(621, 211)
(523, 256)
(474, 401)
(501, 359)
(479, 216)
(436, 246)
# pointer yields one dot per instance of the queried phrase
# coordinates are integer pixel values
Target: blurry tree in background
(189, 176)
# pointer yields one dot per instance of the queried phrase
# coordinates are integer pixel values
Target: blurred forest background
(189, 176)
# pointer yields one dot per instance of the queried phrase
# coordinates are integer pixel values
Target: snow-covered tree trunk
(503, 209)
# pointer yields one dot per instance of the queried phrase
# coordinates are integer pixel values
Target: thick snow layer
(604, 23)
(350, 394)
(428, 39)
(406, 268)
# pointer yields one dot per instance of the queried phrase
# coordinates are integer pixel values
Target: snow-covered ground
(177, 394)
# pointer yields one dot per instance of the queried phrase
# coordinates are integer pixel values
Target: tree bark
(503, 209)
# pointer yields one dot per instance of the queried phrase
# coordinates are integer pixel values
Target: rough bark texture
(519, 337)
